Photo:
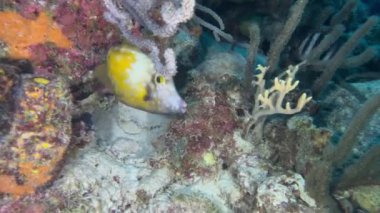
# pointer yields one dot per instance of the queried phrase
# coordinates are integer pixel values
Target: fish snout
(174, 104)
(182, 106)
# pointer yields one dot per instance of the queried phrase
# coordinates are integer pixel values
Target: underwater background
(189, 106)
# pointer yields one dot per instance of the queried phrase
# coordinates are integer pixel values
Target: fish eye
(160, 79)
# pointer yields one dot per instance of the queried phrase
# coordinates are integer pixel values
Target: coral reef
(92, 37)
(366, 197)
(308, 150)
(199, 163)
(49, 35)
(39, 131)
(252, 138)
(280, 194)
(202, 143)
(194, 140)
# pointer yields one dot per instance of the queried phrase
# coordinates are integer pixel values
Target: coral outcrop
(39, 131)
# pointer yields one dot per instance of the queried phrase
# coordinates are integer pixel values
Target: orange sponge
(19, 33)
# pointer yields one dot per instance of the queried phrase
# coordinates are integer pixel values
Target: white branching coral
(272, 100)
(160, 18)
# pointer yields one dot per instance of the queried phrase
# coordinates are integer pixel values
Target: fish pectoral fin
(102, 76)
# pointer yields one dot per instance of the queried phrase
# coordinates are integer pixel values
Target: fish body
(136, 83)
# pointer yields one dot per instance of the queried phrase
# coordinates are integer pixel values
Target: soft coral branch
(272, 100)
